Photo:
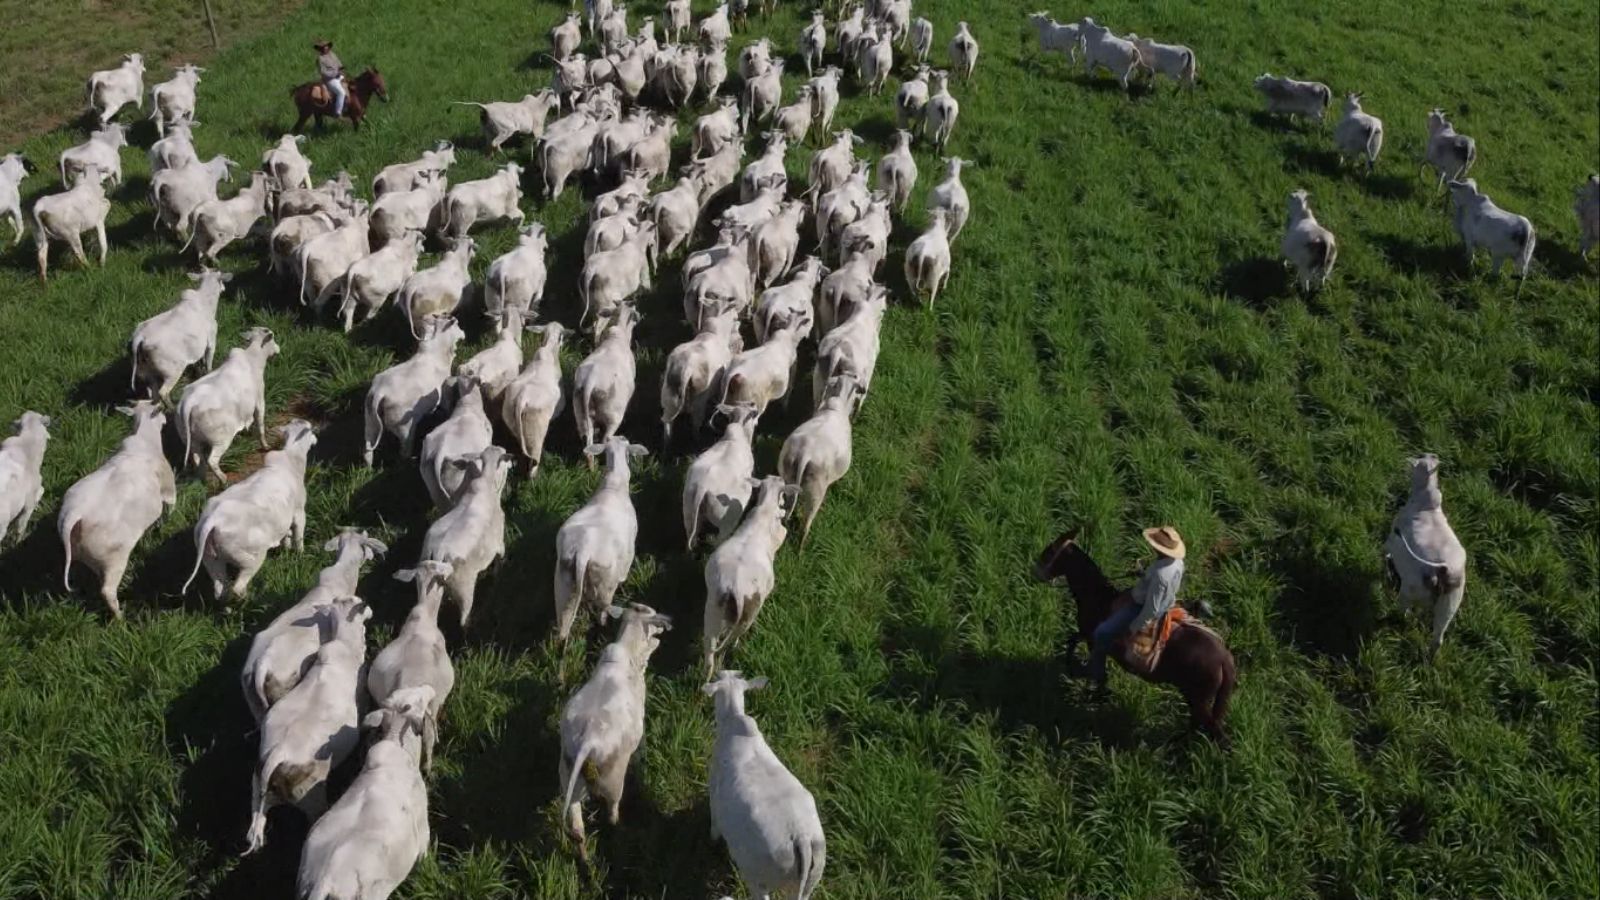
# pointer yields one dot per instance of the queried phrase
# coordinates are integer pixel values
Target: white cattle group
(306, 679)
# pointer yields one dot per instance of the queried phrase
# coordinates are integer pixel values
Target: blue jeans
(336, 85)
(1106, 634)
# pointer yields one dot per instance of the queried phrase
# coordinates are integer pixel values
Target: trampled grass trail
(1118, 347)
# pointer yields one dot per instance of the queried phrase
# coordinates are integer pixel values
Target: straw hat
(1166, 541)
(323, 44)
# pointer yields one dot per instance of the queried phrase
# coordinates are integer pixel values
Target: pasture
(1119, 347)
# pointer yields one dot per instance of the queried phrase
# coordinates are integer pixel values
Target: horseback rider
(331, 71)
(1154, 595)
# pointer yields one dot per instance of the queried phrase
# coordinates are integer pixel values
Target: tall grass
(1118, 347)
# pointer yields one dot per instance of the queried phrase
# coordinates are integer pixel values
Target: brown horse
(1195, 660)
(314, 99)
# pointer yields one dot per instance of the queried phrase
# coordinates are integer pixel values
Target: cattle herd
(307, 679)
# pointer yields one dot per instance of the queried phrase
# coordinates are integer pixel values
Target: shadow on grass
(1329, 609)
(108, 387)
(1254, 281)
(1416, 257)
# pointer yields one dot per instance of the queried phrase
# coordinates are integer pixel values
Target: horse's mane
(1084, 578)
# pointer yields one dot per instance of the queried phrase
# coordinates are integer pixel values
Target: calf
(431, 166)
(928, 259)
(267, 509)
(1425, 553)
(1172, 60)
(219, 404)
(284, 162)
(594, 548)
(791, 304)
(281, 653)
(1286, 96)
(1104, 49)
(21, 488)
(604, 382)
(176, 192)
(535, 396)
(172, 102)
(693, 371)
(963, 51)
(13, 169)
(1309, 247)
(516, 279)
(108, 90)
(437, 291)
(367, 844)
(104, 514)
(851, 349)
(495, 197)
(371, 280)
(939, 117)
(101, 150)
(1451, 154)
(768, 819)
(611, 277)
(765, 373)
(1586, 206)
(168, 343)
(403, 395)
(418, 657)
(215, 224)
(313, 729)
(950, 195)
(1358, 133)
(67, 215)
(1480, 223)
(464, 435)
(473, 533)
(603, 723)
(817, 453)
(739, 574)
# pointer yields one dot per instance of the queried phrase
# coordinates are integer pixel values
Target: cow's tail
(1526, 240)
(202, 541)
(69, 539)
(133, 377)
(1189, 72)
(578, 761)
(811, 856)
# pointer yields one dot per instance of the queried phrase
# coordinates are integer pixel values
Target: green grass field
(1118, 347)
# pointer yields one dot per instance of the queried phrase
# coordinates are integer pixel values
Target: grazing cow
(1424, 552)
(1309, 247)
(267, 509)
(595, 546)
(603, 723)
(104, 514)
(768, 819)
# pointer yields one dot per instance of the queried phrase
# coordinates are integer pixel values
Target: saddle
(1140, 651)
(324, 97)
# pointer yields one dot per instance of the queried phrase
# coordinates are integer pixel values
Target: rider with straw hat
(1156, 592)
(331, 71)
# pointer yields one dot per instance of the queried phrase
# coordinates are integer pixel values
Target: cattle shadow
(877, 129)
(652, 852)
(1409, 255)
(108, 387)
(484, 775)
(1105, 84)
(1298, 157)
(32, 565)
(1387, 187)
(1254, 281)
(1565, 262)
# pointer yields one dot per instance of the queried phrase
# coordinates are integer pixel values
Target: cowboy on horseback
(1153, 596)
(331, 71)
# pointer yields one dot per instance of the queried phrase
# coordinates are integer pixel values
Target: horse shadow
(1330, 607)
(1253, 281)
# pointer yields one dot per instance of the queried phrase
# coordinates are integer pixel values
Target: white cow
(814, 42)
(503, 120)
(603, 723)
(767, 170)
(325, 258)
(768, 819)
(13, 169)
(1172, 60)
(1450, 153)
(176, 150)
(1481, 223)
(516, 279)
(565, 37)
(1309, 247)
(439, 290)
(963, 51)
(717, 487)
(897, 171)
(105, 513)
(1358, 133)
(67, 215)
(108, 90)
(371, 280)
(367, 844)
(403, 395)
(677, 19)
(218, 405)
(675, 213)
(825, 98)
(604, 382)
(1287, 96)
(313, 729)
(611, 277)
(284, 162)
(843, 290)
(467, 433)
(1425, 553)
(950, 195)
(763, 374)
(1054, 37)
(21, 456)
(535, 396)
(172, 102)
(168, 343)
(595, 546)
(791, 304)
(175, 192)
(1586, 206)
(102, 150)
(939, 116)
(418, 656)
(215, 224)
(851, 349)
(920, 35)
(486, 199)
(794, 121)
(739, 574)
(928, 258)
(817, 453)
(1104, 49)
(267, 509)
(281, 653)
(431, 166)
(912, 99)
(693, 370)
(472, 535)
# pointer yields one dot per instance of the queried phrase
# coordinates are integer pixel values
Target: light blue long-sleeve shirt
(1157, 590)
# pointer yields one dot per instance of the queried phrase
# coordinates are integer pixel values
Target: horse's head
(1051, 563)
(374, 79)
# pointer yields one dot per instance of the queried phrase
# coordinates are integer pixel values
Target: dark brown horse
(1195, 660)
(314, 99)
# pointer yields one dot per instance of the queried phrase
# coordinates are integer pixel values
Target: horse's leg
(300, 124)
